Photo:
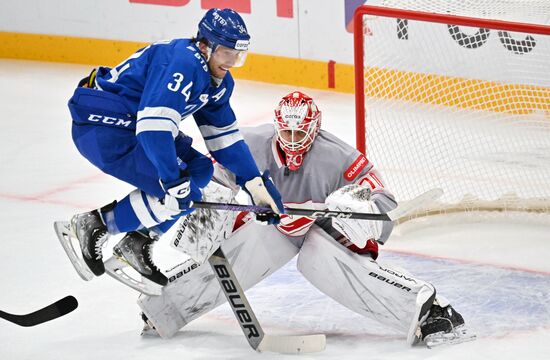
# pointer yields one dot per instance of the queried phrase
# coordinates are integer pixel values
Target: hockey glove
(262, 191)
(180, 193)
(357, 198)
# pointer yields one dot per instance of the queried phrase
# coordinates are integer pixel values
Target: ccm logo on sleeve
(355, 168)
(107, 120)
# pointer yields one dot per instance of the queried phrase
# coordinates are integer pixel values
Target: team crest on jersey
(355, 168)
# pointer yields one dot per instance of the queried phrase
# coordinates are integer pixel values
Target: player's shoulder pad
(351, 159)
(332, 143)
(187, 57)
(359, 163)
(259, 133)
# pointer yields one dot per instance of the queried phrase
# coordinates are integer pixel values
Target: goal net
(456, 94)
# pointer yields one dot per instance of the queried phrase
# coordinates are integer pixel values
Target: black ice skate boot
(135, 249)
(444, 325)
(441, 319)
(91, 233)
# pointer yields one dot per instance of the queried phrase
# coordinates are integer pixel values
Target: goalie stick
(401, 210)
(258, 340)
(53, 311)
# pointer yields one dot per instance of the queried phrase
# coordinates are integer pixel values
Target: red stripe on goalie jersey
(355, 168)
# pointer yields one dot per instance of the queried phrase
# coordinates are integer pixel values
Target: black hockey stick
(57, 309)
(401, 210)
(258, 340)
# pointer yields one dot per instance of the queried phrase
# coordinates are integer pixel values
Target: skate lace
(433, 320)
(149, 257)
(101, 241)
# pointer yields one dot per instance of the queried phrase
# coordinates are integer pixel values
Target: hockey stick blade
(257, 339)
(401, 210)
(57, 309)
(408, 207)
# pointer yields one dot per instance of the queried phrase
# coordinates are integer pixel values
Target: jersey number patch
(178, 83)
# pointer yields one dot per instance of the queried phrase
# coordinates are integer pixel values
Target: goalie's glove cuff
(263, 192)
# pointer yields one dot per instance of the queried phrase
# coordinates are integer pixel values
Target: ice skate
(444, 326)
(135, 250)
(91, 233)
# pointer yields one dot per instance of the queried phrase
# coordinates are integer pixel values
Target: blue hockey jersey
(161, 85)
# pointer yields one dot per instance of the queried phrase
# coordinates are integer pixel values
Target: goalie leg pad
(200, 233)
(255, 252)
(361, 284)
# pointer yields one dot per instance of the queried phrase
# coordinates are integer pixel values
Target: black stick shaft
(292, 211)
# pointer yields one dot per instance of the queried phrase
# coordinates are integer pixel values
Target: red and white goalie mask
(297, 122)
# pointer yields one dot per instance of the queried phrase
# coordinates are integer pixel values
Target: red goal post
(358, 40)
(514, 194)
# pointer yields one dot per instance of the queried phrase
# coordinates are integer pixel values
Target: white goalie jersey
(329, 165)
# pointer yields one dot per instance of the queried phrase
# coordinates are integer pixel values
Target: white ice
(495, 272)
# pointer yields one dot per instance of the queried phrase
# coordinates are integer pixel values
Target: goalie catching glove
(263, 192)
(356, 198)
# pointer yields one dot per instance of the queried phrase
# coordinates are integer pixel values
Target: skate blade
(117, 269)
(67, 240)
(149, 331)
(459, 335)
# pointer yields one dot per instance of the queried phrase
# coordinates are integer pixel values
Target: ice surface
(496, 273)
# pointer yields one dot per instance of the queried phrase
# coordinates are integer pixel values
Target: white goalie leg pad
(361, 284)
(200, 233)
(254, 251)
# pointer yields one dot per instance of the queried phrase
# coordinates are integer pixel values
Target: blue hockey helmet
(224, 27)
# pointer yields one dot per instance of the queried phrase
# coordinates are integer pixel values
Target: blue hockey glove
(262, 191)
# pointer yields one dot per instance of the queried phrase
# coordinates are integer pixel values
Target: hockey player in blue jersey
(126, 122)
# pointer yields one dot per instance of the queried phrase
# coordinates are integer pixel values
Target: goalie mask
(297, 122)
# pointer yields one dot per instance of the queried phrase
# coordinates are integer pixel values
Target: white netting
(463, 108)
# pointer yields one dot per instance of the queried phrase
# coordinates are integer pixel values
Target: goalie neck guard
(297, 123)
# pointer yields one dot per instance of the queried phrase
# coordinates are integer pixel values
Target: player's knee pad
(358, 282)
